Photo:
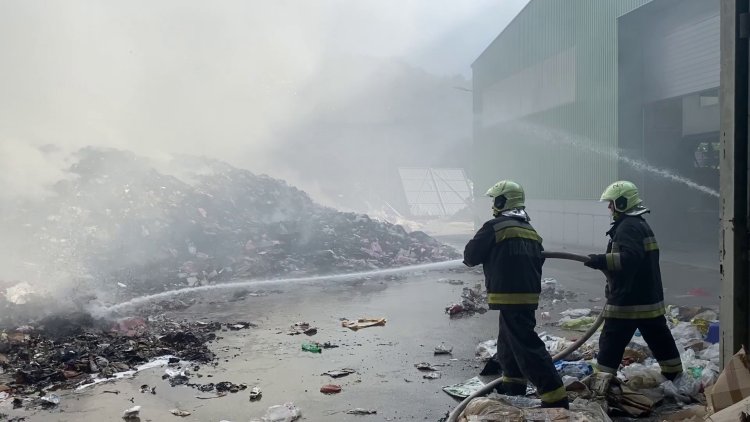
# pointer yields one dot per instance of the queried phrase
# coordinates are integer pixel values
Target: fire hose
(453, 417)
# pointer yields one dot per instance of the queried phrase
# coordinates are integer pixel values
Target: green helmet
(508, 194)
(623, 194)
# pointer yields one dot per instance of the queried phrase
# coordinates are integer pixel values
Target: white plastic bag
(286, 412)
(486, 349)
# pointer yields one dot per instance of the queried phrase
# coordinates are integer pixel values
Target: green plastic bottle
(311, 347)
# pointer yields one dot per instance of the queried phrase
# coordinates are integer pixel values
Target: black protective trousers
(617, 333)
(524, 358)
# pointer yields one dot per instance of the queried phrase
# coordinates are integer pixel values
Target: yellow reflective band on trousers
(635, 311)
(554, 395)
(606, 369)
(671, 366)
(516, 233)
(512, 298)
(613, 262)
(510, 380)
(649, 244)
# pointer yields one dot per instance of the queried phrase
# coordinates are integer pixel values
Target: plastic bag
(286, 412)
(640, 376)
(576, 313)
(686, 331)
(577, 324)
(682, 389)
(520, 402)
(486, 349)
(579, 369)
(553, 344)
(711, 354)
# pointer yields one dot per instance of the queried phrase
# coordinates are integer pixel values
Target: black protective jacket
(632, 259)
(510, 251)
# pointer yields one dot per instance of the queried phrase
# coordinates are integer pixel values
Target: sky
(221, 79)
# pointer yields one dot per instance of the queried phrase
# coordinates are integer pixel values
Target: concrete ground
(384, 357)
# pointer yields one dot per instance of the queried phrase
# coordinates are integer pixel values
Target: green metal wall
(547, 162)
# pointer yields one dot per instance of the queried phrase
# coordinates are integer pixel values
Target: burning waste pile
(639, 389)
(119, 228)
(122, 227)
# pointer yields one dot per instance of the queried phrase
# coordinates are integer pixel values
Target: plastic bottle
(311, 347)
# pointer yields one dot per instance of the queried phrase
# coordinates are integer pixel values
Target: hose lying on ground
(453, 417)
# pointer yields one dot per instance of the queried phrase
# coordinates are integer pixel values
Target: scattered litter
(131, 413)
(443, 350)
(576, 313)
(578, 369)
(286, 412)
(464, 389)
(360, 411)
(240, 325)
(473, 300)
(311, 347)
(302, 328)
(329, 345)
(432, 375)
(178, 412)
(255, 393)
(339, 372)
(424, 366)
(330, 389)
(577, 324)
(50, 400)
(363, 323)
(486, 349)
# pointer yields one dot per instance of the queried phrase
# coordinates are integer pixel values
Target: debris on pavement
(486, 349)
(551, 291)
(443, 350)
(578, 369)
(577, 324)
(337, 373)
(286, 412)
(361, 411)
(255, 393)
(473, 301)
(312, 347)
(178, 412)
(302, 328)
(576, 313)
(424, 366)
(363, 323)
(330, 389)
(50, 400)
(132, 413)
(432, 375)
(464, 389)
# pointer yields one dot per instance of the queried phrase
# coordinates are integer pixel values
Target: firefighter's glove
(596, 261)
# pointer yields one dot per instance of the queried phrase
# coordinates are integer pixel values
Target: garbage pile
(135, 228)
(75, 350)
(639, 388)
(473, 301)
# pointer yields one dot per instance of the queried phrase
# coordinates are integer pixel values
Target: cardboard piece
(733, 384)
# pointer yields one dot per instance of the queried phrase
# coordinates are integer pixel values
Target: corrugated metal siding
(545, 161)
(685, 60)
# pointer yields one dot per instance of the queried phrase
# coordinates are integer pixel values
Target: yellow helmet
(623, 194)
(507, 194)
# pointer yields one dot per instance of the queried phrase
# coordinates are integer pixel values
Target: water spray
(615, 154)
(456, 263)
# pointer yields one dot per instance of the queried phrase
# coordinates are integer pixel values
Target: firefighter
(635, 296)
(510, 251)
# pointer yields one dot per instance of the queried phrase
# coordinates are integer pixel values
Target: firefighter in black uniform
(511, 253)
(635, 297)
